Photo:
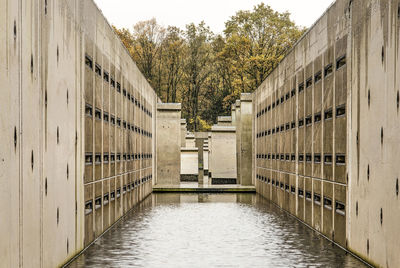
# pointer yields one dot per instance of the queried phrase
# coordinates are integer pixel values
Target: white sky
(125, 13)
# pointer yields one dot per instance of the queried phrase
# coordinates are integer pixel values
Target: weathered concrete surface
(246, 144)
(209, 155)
(190, 140)
(224, 121)
(168, 143)
(233, 114)
(47, 87)
(206, 161)
(223, 152)
(198, 188)
(326, 129)
(200, 140)
(189, 164)
(238, 137)
(183, 133)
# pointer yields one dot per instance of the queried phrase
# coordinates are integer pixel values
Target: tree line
(204, 71)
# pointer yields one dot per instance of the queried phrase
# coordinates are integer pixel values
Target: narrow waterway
(212, 230)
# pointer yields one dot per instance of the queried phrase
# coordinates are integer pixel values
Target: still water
(211, 230)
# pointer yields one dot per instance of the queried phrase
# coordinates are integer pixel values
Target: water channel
(211, 230)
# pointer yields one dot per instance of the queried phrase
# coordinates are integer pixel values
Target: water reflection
(212, 230)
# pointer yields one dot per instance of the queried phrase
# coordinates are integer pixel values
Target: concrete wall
(183, 132)
(168, 143)
(245, 136)
(223, 152)
(57, 113)
(189, 164)
(224, 121)
(209, 155)
(325, 131)
(190, 140)
(373, 132)
(238, 137)
(205, 159)
(233, 114)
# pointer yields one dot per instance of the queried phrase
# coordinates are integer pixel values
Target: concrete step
(193, 188)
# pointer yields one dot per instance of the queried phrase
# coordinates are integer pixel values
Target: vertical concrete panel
(10, 177)
(246, 150)
(223, 155)
(59, 56)
(31, 158)
(238, 141)
(168, 143)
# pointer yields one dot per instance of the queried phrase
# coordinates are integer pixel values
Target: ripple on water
(211, 230)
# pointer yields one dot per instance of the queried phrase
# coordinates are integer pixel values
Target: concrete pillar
(183, 133)
(223, 151)
(189, 164)
(246, 144)
(168, 143)
(200, 138)
(224, 121)
(190, 140)
(209, 156)
(237, 117)
(233, 114)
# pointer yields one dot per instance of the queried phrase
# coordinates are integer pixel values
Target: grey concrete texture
(58, 137)
(246, 142)
(325, 129)
(224, 121)
(222, 160)
(183, 132)
(168, 144)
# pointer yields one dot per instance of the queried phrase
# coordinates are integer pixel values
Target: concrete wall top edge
(237, 103)
(189, 149)
(201, 135)
(246, 97)
(224, 118)
(168, 106)
(223, 129)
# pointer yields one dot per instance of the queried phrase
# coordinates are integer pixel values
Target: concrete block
(223, 152)
(189, 164)
(168, 143)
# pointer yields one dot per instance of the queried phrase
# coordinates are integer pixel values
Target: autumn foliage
(204, 71)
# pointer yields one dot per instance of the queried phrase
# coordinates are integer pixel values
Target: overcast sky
(125, 13)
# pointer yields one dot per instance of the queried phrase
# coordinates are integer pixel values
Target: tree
(257, 41)
(199, 59)
(146, 50)
(207, 72)
(174, 51)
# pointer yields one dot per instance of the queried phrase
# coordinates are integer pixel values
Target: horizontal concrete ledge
(189, 136)
(189, 177)
(245, 97)
(183, 121)
(237, 103)
(223, 129)
(224, 118)
(189, 149)
(169, 106)
(215, 189)
(201, 135)
(223, 181)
